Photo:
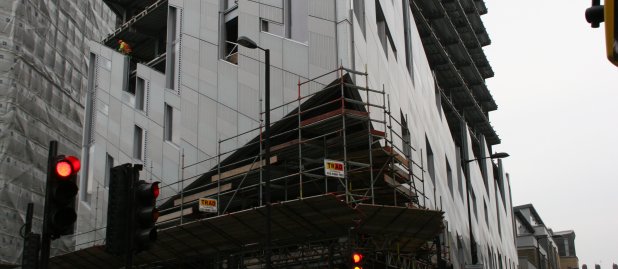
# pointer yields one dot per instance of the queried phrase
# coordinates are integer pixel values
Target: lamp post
(497, 155)
(248, 43)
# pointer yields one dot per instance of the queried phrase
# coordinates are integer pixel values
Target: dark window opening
(231, 35)
(140, 93)
(430, 163)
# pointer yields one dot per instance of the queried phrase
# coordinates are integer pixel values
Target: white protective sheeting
(43, 78)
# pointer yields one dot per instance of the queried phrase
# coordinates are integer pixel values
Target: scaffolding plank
(397, 156)
(243, 169)
(175, 215)
(193, 197)
(332, 114)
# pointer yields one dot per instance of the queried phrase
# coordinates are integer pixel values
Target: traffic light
(131, 211)
(357, 260)
(117, 209)
(63, 185)
(146, 214)
(606, 13)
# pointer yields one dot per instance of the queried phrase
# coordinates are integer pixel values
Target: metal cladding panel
(208, 68)
(275, 44)
(155, 145)
(250, 8)
(324, 9)
(190, 157)
(104, 77)
(228, 84)
(295, 57)
(209, 22)
(290, 87)
(207, 135)
(191, 17)
(272, 12)
(227, 124)
(248, 101)
(127, 128)
(190, 61)
(188, 116)
(117, 75)
(322, 52)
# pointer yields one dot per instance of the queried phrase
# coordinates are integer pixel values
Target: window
(231, 36)
(140, 93)
(359, 11)
(272, 27)
(405, 137)
(498, 218)
(168, 122)
(138, 142)
(109, 163)
(383, 32)
(382, 28)
(449, 177)
(438, 95)
(474, 206)
(460, 178)
(173, 47)
(486, 213)
(430, 165)
(297, 13)
(407, 37)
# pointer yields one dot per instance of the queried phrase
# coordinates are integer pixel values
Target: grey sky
(557, 117)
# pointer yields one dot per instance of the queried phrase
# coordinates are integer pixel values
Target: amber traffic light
(357, 260)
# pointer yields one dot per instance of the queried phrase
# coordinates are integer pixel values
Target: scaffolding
(332, 124)
(373, 201)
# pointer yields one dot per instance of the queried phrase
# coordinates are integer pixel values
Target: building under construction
(379, 140)
(42, 88)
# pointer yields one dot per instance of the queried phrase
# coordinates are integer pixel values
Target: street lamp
(497, 155)
(250, 44)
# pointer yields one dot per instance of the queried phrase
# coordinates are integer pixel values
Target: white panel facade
(218, 100)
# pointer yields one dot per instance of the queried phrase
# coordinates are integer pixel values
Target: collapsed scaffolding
(371, 199)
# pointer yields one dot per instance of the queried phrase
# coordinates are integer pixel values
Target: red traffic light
(155, 189)
(67, 166)
(357, 257)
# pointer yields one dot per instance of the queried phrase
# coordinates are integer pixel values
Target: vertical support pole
(369, 128)
(423, 178)
(300, 144)
(348, 185)
(46, 237)
(182, 184)
(267, 155)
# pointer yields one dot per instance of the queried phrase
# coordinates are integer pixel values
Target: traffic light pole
(131, 218)
(46, 236)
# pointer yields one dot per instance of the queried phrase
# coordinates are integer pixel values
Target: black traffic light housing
(606, 13)
(146, 214)
(131, 211)
(63, 189)
(117, 209)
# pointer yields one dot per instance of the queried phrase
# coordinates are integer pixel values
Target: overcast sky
(557, 116)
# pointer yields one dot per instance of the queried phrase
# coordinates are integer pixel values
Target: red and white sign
(334, 168)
